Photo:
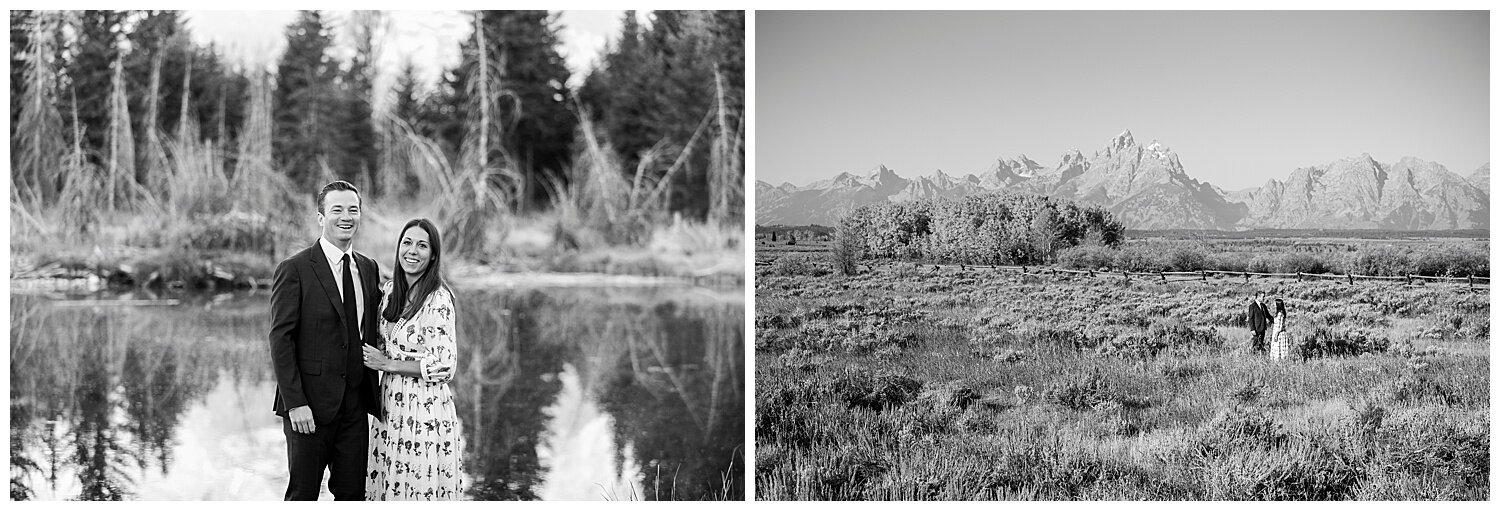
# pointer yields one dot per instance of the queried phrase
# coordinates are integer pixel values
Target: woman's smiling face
(415, 250)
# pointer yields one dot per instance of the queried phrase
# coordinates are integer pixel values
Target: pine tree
(37, 144)
(20, 42)
(669, 83)
(99, 34)
(357, 138)
(536, 127)
(407, 105)
(305, 101)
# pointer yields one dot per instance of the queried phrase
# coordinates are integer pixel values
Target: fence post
(1351, 278)
(1471, 282)
(1408, 279)
(1163, 275)
(1247, 277)
(1203, 274)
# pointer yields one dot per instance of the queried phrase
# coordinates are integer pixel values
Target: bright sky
(428, 38)
(1240, 96)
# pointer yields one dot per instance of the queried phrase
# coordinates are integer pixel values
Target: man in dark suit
(1259, 318)
(322, 309)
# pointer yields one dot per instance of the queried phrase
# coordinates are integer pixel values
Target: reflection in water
(580, 447)
(563, 394)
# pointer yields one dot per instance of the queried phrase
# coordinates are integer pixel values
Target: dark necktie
(355, 366)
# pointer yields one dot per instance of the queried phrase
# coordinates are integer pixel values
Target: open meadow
(916, 382)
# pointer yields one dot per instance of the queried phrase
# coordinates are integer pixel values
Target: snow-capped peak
(1158, 150)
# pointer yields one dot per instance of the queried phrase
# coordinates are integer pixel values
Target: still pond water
(563, 394)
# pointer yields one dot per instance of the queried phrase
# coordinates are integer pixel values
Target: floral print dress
(1280, 343)
(415, 451)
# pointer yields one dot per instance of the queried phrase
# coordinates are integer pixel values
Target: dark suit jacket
(309, 352)
(1259, 316)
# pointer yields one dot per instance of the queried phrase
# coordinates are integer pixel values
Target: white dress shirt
(335, 263)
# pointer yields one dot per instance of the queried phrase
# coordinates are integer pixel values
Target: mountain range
(1147, 187)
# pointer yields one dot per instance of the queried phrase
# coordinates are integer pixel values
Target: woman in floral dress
(1280, 342)
(416, 449)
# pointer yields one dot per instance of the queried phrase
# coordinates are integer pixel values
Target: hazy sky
(1240, 96)
(428, 38)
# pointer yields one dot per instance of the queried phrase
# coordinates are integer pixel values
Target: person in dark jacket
(1259, 319)
(323, 312)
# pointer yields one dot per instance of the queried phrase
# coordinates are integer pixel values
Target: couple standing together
(343, 345)
(1260, 318)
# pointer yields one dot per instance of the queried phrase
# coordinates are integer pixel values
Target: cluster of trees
(999, 228)
(96, 89)
(115, 104)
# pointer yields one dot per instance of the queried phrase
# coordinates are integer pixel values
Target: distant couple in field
(1261, 318)
(344, 345)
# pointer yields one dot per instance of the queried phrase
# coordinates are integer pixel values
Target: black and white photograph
(378, 255)
(1121, 255)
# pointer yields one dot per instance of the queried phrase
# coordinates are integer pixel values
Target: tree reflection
(500, 398)
(685, 365)
(99, 394)
(666, 369)
(96, 391)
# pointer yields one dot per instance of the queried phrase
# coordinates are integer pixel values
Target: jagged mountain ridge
(1148, 188)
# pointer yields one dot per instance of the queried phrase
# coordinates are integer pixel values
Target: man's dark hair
(335, 186)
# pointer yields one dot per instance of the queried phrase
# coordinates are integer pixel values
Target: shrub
(1379, 260)
(1229, 261)
(1133, 344)
(1239, 428)
(1138, 258)
(1087, 257)
(859, 388)
(846, 250)
(1264, 263)
(1330, 342)
(1415, 389)
(1296, 262)
(1173, 332)
(1057, 337)
(231, 231)
(1318, 476)
(1081, 395)
(1351, 316)
(788, 414)
(1451, 260)
(1185, 257)
(797, 264)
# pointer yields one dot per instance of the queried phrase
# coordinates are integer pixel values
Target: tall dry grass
(971, 385)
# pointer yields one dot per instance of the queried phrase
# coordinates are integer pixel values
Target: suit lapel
(325, 277)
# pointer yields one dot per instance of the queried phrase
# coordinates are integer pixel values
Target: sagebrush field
(914, 382)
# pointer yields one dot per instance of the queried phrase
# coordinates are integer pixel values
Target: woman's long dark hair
(399, 307)
(1280, 307)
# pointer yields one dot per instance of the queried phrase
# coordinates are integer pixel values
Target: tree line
(997, 228)
(110, 108)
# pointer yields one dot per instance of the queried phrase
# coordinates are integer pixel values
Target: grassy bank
(540, 243)
(896, 384)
